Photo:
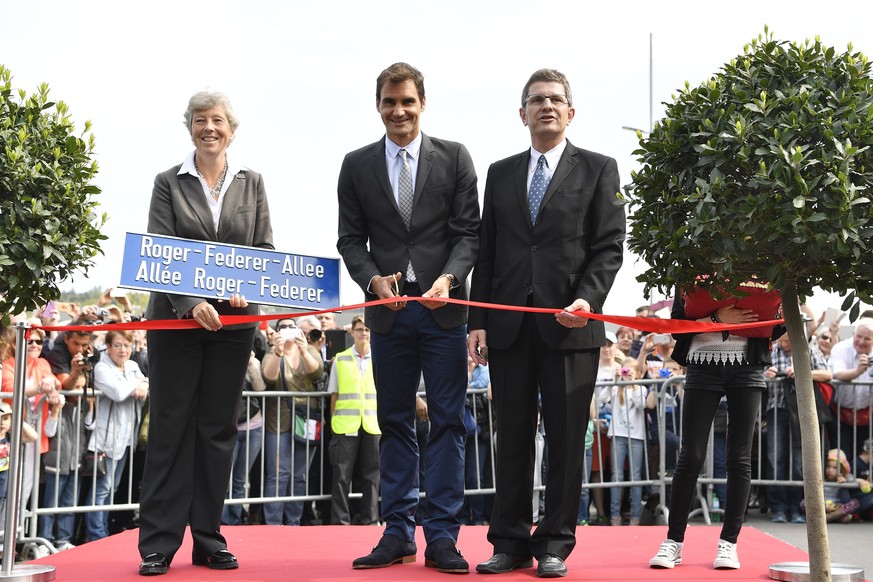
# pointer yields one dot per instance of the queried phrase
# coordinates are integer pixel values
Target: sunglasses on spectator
(285, 326)
(825, 337)
(34, 342)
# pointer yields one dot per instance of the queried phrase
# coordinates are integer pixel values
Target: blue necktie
(538, 186)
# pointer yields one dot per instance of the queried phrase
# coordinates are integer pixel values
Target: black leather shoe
(220, 560)
(551, 566)
(154, 565)
(389, 551)
(502, 563)
(445, 557)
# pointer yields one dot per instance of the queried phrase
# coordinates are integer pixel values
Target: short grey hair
(864, 323)
(311, 319)
(207, 100)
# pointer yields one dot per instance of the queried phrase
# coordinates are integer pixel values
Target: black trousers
(196, 379)
(565, 380)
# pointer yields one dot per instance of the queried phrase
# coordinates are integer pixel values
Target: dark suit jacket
(443, 233)
(179, 208)
(574, 251)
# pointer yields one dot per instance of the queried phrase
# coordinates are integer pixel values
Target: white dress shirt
(395, 162)
(844, 357)
(188, 167)
(553, 156)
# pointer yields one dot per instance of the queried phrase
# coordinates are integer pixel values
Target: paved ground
(850, 543)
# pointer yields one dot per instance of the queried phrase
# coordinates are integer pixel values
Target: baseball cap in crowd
(5, 408)
(610, 337)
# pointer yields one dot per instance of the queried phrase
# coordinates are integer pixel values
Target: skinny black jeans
(705, 385)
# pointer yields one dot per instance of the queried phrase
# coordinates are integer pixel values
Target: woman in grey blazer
(197, 375)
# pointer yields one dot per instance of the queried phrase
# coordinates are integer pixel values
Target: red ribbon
(651, 324)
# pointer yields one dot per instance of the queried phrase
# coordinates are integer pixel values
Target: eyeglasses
(825, 337)
(34, 342)
(538, 100)
(120, 346)
(361, 330)
(286, 326)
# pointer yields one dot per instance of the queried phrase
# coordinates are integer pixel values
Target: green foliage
(48, 224)
(764, 169)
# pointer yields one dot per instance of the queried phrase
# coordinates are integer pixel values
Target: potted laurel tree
(764, 171)
(48, 224)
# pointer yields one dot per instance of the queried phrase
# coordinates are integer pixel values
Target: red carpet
(325, 553)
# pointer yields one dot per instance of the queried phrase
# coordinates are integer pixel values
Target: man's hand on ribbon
(440, 288)
(385, 287)
(570, 316)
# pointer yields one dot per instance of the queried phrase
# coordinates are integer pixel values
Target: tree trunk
(813, 487)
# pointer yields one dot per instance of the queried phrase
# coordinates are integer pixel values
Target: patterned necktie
(404, 190)
(538, 186)
(404, 202)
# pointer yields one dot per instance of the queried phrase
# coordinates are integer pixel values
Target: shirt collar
(188, 166)
(553, 156)
(412, 149)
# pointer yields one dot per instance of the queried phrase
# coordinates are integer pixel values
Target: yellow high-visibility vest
(356, 400)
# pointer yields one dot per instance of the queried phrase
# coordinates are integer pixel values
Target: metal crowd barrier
(656, 479)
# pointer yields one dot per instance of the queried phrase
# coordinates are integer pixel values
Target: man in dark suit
(551, 236)
(408, 224)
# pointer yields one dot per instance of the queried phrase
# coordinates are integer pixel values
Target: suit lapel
(519, 179)
(380, 168)
(568, 161)
(196, 200)
(425, 163)
(233, 199)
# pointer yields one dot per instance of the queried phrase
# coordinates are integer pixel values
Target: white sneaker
(668, 556)
(65, 546)
(39, 551)
(726, 558)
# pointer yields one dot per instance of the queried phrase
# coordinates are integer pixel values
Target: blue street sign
(214, 270)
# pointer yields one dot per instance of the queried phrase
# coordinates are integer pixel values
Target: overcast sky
(301, 76)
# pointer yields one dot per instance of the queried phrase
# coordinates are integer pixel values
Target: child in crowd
(28, 435)
(61, 462)
(585, 499)
(862, 461)
(839, 505)
(628, 432)
(864, 494)
(607, 372)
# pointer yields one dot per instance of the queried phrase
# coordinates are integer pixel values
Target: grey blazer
(179, 208)
(443, 234)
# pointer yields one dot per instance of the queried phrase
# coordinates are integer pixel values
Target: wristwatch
(451, 279)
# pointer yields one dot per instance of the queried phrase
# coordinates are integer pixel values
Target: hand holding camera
(290, 333)
(278, 344)
(80, 363)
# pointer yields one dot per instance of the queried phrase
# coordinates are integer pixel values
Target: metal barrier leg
(27, 572)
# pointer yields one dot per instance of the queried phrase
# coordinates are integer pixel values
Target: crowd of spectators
(87, 392)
